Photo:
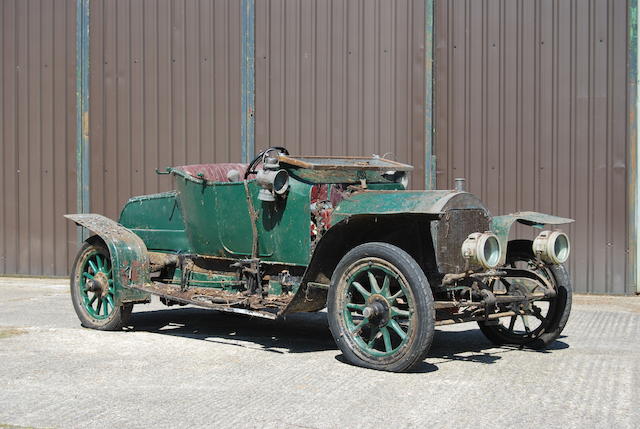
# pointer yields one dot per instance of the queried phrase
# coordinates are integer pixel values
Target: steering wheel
(260, 157)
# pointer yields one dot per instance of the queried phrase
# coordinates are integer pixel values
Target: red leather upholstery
(319, 192)
(213, 172)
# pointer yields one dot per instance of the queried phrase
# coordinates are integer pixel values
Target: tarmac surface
(188, 367)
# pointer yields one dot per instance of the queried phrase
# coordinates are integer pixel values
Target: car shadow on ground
(309, 332)
(297, 333)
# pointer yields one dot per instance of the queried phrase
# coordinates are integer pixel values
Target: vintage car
(289, 234)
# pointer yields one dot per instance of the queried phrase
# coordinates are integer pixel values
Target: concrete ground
(188, 367)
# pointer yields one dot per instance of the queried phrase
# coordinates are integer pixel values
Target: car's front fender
(129, 256)
(501, 225)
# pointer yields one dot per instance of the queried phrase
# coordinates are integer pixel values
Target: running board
(215, 299)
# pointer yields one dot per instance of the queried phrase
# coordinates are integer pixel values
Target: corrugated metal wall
(165, 90)
(531, 109)
(37, 133)
(342, 78)
(530, 106)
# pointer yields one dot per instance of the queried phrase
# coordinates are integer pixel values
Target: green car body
(245, 246)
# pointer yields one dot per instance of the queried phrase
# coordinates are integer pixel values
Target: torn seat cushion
(213, 172)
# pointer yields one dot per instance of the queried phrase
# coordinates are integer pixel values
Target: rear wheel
(381, 311)
(92, 289)
(545, 319)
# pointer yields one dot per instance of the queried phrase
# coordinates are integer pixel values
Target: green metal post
(633, 273)
(636, 13)
(634, 156)
(430, 158)
(82, 109)
(248, 80)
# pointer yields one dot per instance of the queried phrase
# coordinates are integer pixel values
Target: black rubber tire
(520, 250)
(416, 349)
(119, 317)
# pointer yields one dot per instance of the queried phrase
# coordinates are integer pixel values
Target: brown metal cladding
(37, 133)
(342, 78)
(531, 109)
(165, 91)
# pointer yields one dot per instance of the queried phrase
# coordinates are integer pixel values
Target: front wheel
(381, 311)
(544, 319)
(92, 289)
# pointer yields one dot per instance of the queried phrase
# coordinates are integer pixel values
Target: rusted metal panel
(165, 90)
(342, 78)
(37, 133)
(531, 107)
(129, 256)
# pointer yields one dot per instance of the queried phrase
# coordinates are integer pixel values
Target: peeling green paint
(388, 202)
(129, 255)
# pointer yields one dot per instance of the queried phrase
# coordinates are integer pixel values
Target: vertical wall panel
(531, 109)
(165, 90)
(342, 78)
(37, 133)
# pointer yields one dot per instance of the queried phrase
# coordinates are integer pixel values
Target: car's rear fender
(129, 256)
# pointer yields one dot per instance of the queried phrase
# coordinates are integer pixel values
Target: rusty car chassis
(289, 234)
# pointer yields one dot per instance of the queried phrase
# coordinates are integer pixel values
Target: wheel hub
(519, 289)
(99, 284)
(377, 310)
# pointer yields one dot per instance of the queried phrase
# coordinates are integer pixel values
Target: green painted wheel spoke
(385, 286)
(395, 311)
(374, 336)
(362, 290)
(359, 307)
(96, 266)
(357, 328)
(373, 282)
(390, 317)
(396, 327)
(387, 338)
(396, 295)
